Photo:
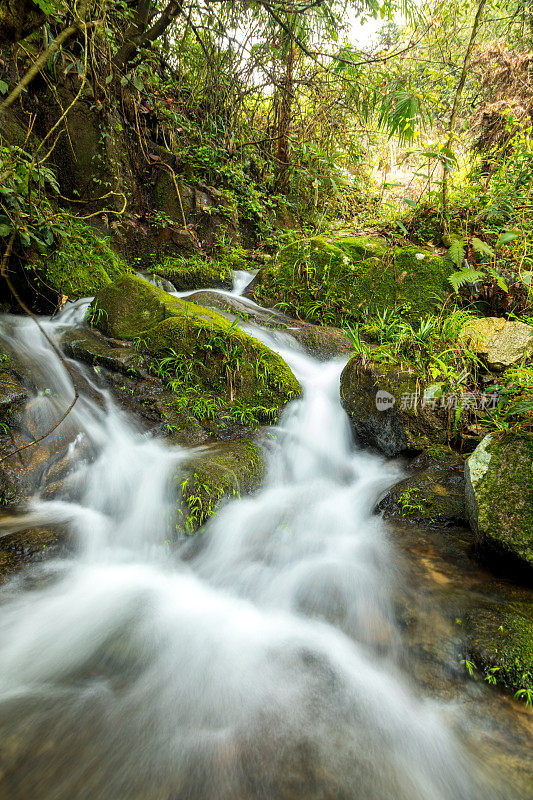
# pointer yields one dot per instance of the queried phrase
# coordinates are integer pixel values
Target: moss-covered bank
(341, 280)
(82, 263)
(194, 272)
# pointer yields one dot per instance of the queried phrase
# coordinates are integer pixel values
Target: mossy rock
(82, 263)
(434, 495)
(389, 408)
(197, 349)
(342, 280)
(12, 393)
(194, 273)
(501, 643)
(224, 470)
(499, 498)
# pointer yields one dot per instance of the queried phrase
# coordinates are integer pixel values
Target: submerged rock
(499, 342)
(208, 363)
(499, 498)
(335, 280)
(500, 643)
(433, 495)
(30, 545)
(388, 408)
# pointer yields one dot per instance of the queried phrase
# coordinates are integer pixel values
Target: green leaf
(482, 249)
(3, 87)
(506, 237)
(5, 230)
(409, 202)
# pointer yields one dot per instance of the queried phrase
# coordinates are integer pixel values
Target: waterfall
(256, 660)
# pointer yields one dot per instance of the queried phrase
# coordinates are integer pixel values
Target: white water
(257, 661)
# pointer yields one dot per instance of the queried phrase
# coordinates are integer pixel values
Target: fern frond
(481, 248)
(501, 282)
(464, 276)
(456, 253)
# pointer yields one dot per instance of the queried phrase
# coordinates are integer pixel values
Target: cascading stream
(257, 660)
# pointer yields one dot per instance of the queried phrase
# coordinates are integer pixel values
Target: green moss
(83, 262)
(334, 282)
(501, 637)
(500, 497)
(203, 357)
(363, 247)
(227, 470)
(193, 272)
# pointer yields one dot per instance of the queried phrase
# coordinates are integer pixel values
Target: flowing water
(260, 659)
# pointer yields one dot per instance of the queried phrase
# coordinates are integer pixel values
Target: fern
(481, 248)
(458, 279)
(499, 280)
(456, 253)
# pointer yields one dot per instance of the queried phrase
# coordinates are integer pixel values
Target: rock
(501, 343)
(198, 351)
(344, 279)
(90, 346)
(221, 470)
(500, 643)
(29, 545)
(434, 495)
(499, 498)
(404, 421)
(320, 341)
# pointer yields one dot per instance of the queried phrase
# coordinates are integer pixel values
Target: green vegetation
(193, 272)
(227, 470)
(82, 262)
(213, 369)
(500, 647)
(342, 280)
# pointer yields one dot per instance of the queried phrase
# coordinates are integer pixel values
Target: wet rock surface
(499, 499)
(323, 342)
(433, 494)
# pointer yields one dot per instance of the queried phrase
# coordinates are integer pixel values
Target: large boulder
(206, 360)
(389, 410)
(331, 281)
(499, 342)
(499, 498)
